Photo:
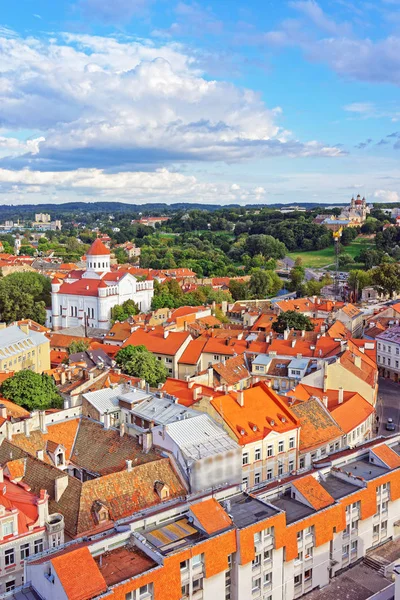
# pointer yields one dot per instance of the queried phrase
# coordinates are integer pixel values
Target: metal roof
(262, 359)
(200, 437)
(299, 363)
(107, 399)
(14, 340)
(162, 411)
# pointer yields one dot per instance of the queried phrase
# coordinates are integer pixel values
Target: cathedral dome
(98, 249)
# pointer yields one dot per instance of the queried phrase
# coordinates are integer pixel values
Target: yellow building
(21, 347)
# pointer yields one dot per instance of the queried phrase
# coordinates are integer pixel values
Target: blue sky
(221, 101)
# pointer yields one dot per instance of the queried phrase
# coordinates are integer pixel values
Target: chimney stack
(128, 465)
(3, 411)
(340, 395)
(240, 398)
(122, 428)
(325, 401)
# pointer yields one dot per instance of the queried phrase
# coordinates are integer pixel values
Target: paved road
(388, 404)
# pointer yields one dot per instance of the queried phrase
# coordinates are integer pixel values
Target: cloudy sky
(178, 101)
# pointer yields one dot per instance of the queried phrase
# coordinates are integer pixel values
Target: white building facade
(88, 296)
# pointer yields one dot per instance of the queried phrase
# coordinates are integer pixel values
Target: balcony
(55, 523)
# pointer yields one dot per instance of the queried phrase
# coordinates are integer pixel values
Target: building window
(291, 465)
(297, 580)
(146, 590)
(256, 587)
(267, 579)
(245, 458)
(270, 450)
(9, 557)
(345, 551)
(245, 481)
(8, 528)
(383, 527)
(308, 575)
(291, 442)
(257, 454)
(24, 551)
(267, 555)
(184, 565)
(256, 561)
(269, 474)
(257, 537)
(257, 478)
(280, 469)
(10, 585)
(197, 584)
(197, 561)
(38, 546)
(280, 446)
(301, 463)
(299, 536)
(354, 546)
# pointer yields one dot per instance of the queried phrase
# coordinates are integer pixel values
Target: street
(388, 405)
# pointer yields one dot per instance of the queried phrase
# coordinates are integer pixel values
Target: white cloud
(118, 103)
(387, 195)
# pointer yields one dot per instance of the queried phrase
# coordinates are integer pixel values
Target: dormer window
(162, 489)
(60, 459)
(100, 511)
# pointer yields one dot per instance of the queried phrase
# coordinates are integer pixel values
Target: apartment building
(279, 544)
(352, 318)
(26, 528)
(388, 353)
(23, 347)
(168, 346)
(266, 429)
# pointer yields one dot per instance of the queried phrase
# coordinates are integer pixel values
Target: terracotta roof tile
(233, 370)
(154, 340)
(317, 425)
(79, 574)
(263, 411)
(98, 249)
(313, 492)
(387, 455)
(211, 516)
(352, 413)
(192, 353)
(61, 433)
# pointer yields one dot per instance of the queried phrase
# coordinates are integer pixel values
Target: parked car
(390, 426)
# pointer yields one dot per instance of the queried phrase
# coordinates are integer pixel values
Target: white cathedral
(88, 296)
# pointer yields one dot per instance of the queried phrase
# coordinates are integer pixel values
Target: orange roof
(387, 455)
(338, 330)
(155, 341)
(317, 426)
(5, 375)
(97, 249)
(63, 433)
(352, 413)
(351, 311)
(60, 340)
(79, 574)
(57, 357)
(14, 410)
(180, 389)
(13, 496)
(313, 492)
(119, 331)
(15, 468)
(262, 412)
(211, 516)
(366, 371)
(182, 311)
(192, 352)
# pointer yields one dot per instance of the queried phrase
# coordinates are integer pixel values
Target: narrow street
(388, 405)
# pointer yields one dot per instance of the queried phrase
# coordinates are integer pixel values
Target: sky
(226, 101)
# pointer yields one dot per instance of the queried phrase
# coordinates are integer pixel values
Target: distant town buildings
(353, 215)
(43, 222)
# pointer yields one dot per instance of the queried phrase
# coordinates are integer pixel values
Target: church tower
(97, 260)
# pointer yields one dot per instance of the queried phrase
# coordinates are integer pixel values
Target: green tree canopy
(77, 346)
(137, 361)
(264, 283)
(24, 296)
(386, 278)
(121, 312)
(33, 391)
(292, 320)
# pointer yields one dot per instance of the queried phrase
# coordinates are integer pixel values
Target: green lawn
(322, 258)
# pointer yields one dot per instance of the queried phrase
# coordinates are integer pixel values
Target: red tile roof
(97, 249)
(154, 340)
(352, 413)
(387, 455)
(262, 412)
(192, 353)
(211, 516)
(313, 492)
(79, 574)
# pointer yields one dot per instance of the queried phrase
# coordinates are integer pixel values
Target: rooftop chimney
(325, 401)
(128, 465)
(240, 398)
(122, 429)
(3, 411)
(340, 395)
(60, 485)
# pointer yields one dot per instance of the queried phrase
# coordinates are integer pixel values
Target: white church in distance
(91, 294)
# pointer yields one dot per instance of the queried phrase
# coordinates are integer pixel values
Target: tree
(297, 275)
(137, 361)
(292, 320)
(121, 312)
(33, 391)
(386, 278)
(357, 281)
(77, 346)
(239, 289)
(24, 296)
(264, 283)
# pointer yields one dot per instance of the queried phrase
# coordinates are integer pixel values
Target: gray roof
(162, 410)
(262, 359)
(299, 363)
(14, 341)
(107, 399)
(200, 437)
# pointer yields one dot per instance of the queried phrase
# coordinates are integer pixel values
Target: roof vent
(242, 432)
(283, 419)
(272, 422)
(254, 427)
